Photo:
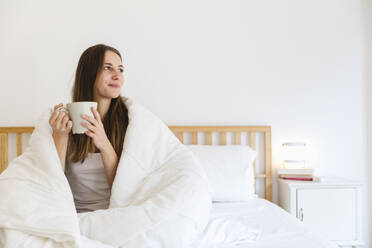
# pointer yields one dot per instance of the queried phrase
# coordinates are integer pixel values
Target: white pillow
(229, 170)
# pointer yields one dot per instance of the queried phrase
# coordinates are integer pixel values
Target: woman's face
(110, 77)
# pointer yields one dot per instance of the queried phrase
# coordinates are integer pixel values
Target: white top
(89, 184)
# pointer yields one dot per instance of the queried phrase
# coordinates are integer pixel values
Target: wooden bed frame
(180, 132)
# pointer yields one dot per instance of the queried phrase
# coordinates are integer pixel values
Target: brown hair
(115, 121)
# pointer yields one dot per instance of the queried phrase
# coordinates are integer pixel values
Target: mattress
(268, 226)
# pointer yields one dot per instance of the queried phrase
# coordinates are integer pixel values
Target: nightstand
(332, 207)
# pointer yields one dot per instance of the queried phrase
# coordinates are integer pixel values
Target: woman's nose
(115, 75)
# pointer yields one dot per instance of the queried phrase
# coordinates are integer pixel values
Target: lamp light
(294, 155)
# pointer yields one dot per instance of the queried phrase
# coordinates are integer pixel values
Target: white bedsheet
(276, 227)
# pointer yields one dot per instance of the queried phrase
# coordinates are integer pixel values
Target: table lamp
(294, 154)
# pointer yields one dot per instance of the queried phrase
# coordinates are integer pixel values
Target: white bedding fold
(276, 227)
(160, 195)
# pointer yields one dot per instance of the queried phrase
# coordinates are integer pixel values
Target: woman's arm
(97, 132)
(61, 145)
(61, 125)
(110, 162)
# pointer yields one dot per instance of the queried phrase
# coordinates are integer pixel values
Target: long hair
(115, 121)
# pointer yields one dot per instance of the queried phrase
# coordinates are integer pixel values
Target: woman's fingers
(69, 125)
(55, 113)
(89, 126)
(59, 119)
(53, 117)
(96, 114)
(64, 122)
(57, 106)
(90, 119)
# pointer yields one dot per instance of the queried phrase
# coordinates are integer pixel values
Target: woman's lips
(114, 85)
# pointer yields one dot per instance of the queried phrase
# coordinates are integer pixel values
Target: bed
(252, 222)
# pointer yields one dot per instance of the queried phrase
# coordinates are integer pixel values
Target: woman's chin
(114, 94)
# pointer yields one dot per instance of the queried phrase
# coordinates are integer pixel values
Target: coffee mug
(75, 110)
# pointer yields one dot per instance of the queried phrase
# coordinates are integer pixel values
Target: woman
(91, 159)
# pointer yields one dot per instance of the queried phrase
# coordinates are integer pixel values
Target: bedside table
(332, 207)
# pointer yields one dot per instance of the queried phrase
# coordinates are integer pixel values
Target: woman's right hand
(60, 122)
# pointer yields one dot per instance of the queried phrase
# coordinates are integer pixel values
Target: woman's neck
(103, 107)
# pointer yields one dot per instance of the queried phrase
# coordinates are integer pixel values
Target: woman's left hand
(96, 130)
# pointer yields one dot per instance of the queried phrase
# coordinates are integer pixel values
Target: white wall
(295, 65)
(368, 81)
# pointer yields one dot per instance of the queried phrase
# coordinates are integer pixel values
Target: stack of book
(305, 174)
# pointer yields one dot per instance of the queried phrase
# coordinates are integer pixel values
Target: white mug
(75, 110)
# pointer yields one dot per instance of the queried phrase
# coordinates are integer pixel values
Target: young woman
(91, 159)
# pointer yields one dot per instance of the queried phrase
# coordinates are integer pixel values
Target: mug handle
(63, 109)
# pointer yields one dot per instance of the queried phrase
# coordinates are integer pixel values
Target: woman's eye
(107, 68)
(121, 70)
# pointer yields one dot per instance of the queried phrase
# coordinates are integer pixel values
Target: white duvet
(159, 198)
(257, 223)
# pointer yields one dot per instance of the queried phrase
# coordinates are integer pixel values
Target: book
(304, 171)
(298, 178)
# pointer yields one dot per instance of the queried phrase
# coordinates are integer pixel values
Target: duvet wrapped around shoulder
(159, 198)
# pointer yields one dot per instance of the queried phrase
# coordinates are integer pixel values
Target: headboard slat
(19, 144)
(194, 138)
(238, 136)
(223, 138)
(3, 151)
(268, 166)
(180, 136)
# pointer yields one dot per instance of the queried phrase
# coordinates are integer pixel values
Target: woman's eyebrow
(111, 65)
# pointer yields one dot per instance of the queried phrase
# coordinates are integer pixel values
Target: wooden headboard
(180, 132)
(4, 133)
